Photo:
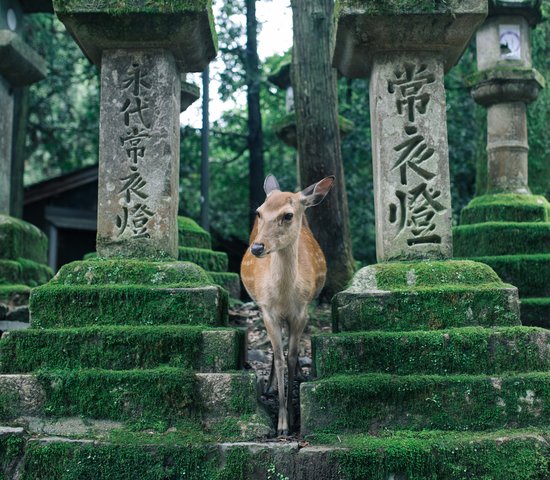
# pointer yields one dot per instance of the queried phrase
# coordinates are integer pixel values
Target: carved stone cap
(20, 65)
(189, 94)
(184, 27)
(505, 85)
(530, 9)
(366, 28)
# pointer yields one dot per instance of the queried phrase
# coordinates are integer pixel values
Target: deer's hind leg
(295, 329)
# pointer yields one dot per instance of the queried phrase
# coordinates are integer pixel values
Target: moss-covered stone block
(208, 259)
(24, 272)
(536, 312)
(15, 295)
(19, 239)
(529, 273)
(190, 234)
(506, 207)
(468, 350)
(184, 27)
(122, 348)
(501, 238)
(373, 402)
(228, 280)
(60, 306)
(425, 296)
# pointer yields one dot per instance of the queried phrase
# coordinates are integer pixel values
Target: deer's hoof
(282, 433)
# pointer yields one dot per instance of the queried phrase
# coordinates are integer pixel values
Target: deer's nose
(257, 249)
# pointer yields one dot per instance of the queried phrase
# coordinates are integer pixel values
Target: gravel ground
(260, 354)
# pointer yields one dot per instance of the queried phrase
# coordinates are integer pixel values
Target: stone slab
(467, 350)
(20, 65)
(210, 260)
(20, 239)
(138, 155)
(122, 348)
(366, 29)
(228, 280)
(190, 234)
(373, 402)
(184, 28)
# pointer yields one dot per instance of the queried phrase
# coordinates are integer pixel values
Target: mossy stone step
(15, 295)
(530, 273)
(536, 312)
(373, 402)
(190, 234)
(501, 238)
(161, 394)
(24, 272)
(208, 259)
(122, 348)
(19, 239)
(425, 296)
(502, 455)
(57, 306)
(228, 280)
(469, 350)
(506, 207)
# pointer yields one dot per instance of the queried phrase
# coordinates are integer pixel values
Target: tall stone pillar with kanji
(507, 226)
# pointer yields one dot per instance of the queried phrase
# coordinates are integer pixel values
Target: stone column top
(184, 27)
(366, 28)
(20, 65)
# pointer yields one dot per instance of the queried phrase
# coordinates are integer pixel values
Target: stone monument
(23, 247)
(418, 333)
(509, 228)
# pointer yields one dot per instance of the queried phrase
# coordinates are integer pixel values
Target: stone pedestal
(508, 228)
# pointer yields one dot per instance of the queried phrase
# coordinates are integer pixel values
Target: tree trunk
(316, 104)
(256, 162)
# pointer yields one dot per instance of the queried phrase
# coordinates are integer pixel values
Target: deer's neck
(284, 266)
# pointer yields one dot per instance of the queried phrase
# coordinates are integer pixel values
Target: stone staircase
(195, 245)
(511, 233)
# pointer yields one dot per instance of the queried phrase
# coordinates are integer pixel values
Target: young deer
(283, 270)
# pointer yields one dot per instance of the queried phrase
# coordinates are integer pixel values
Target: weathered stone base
(107, 292)
(191, 234)
(210, 260)
(373, 402)
(425, 295)
(520, 455)
(468, 350)
(123, 347)
(228, 280)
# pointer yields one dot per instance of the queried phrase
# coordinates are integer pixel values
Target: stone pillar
(6, 135)
(405, 51)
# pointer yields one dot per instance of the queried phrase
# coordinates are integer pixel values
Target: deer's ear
(270, 184)
(314, 194)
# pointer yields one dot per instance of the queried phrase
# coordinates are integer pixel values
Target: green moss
(503, 73)
(190, 234)
(372, 402)
(397, 7)
(503, 455)
(22, 271)
(501, 238)
(229, 281)
(121, 7)
(506, 207)
(102, 271)
(208, 259)
(530, 273)
(536, 312)
(19, 239)
(15, 294)
(11, 451)
(426, 308)
(162, 393)
(84, 305)
(121, 348)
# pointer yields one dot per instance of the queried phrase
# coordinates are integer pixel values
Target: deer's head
(279, 218)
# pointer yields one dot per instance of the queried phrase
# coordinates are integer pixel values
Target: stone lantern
(23, 247)
(508, 227)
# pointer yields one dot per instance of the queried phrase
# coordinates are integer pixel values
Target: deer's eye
(287, 217)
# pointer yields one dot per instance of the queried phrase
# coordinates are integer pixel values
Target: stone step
(123, 348)
(228, 280)
(19, 239)
(506, 207)
(536, 312)
(24, 272)
(503, 455)
(161, 394)
(191, 234)
(468, 350)
(373, 402)
(501, 238)
(57, 306)
(210, 260)
(530, 273)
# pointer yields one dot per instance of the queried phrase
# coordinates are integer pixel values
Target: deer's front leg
(295, 330)
(275, 332)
